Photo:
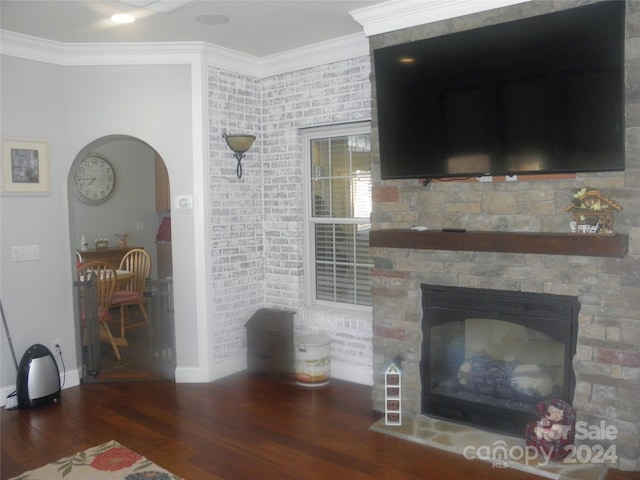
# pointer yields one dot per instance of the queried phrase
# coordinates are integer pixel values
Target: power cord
(64, 368)
(12, 401)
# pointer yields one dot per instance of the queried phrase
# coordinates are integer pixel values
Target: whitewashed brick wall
(351, 340)
(325, 95)
(235, 213)
(257, 226)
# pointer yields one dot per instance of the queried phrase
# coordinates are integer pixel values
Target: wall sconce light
(239, 144)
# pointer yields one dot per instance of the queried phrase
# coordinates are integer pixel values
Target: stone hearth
(477, 444)
(607, 360)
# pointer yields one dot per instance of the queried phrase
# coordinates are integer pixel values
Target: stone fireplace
(604, 279)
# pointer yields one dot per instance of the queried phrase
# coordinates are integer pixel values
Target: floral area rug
(109, 461)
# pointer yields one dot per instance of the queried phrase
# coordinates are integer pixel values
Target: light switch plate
(25, 253)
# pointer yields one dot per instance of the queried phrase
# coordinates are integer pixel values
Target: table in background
(112, 255)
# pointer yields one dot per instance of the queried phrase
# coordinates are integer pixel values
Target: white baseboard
(220, 370)
(72, 379)
(339, 370)
(4, 393)
(350, 373)
(225, 369)
(191, 375)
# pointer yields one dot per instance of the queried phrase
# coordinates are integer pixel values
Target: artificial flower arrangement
(592, 211)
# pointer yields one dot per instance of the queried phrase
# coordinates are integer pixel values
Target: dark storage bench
(270, 342)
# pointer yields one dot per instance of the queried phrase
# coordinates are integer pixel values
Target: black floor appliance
(38, 381)
(38, 378)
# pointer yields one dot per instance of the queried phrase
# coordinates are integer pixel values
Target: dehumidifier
(38, 379)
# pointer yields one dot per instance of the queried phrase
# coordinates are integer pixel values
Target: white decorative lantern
(392, 395)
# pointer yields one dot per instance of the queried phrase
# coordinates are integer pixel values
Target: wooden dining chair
(105, 277)
(137, 261)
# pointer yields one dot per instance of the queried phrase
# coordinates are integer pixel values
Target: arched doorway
(139, 207)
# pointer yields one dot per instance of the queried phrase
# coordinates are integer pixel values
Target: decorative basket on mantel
(592, 211)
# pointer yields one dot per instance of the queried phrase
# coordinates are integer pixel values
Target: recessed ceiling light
(123, 18)
(212, 19)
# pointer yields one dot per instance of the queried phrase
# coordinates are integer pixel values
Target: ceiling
(254, 27)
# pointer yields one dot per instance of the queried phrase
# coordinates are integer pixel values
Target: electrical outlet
(54, 349)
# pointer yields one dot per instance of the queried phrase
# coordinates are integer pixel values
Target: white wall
(71, 107)
(36, 296)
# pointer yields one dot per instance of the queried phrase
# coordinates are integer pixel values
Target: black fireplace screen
(490, 356)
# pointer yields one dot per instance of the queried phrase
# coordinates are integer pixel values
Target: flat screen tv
(543, 94)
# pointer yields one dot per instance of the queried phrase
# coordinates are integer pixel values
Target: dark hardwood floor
(241, 427)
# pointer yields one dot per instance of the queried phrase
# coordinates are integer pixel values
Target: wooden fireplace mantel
(614, 245)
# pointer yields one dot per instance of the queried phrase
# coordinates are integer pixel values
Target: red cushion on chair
(124, 296)
(104, 315)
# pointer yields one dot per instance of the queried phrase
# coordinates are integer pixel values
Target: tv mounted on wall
(543, 94)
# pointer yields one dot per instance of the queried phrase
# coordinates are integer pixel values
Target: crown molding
(92, 54)
(398, 14)
(322, 53)
(30, 48)
(380, 18)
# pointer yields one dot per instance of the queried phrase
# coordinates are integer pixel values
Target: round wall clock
(94, 179)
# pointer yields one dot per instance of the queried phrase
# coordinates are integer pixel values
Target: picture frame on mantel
(25, 166)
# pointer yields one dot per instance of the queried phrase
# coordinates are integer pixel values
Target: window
(338, 206)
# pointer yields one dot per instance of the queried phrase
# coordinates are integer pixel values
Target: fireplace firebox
(490, 356)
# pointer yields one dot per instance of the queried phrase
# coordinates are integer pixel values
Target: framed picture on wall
(25, 166)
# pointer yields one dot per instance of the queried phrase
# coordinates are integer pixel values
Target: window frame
(309, 134)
